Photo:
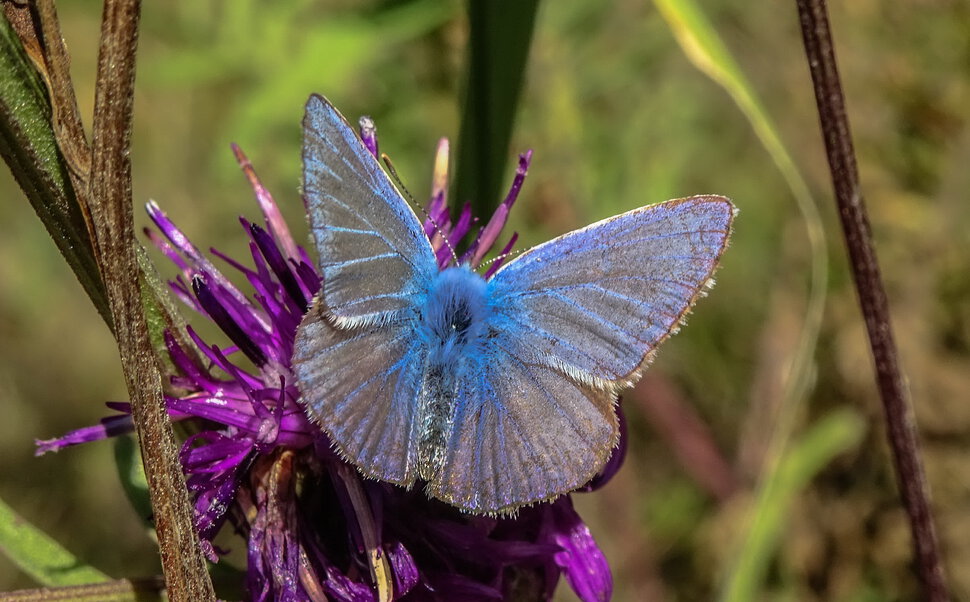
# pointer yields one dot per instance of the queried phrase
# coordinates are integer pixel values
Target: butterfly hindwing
(522, 434)
(374, 256)
(361, 384)
(596, 302)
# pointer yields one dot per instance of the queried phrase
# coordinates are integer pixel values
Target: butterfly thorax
(452, 326)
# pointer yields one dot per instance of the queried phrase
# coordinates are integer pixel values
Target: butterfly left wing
(575, 319)
(354, 355)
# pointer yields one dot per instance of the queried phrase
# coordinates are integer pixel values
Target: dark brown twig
(110, 190)
(901, 429)
(66, 118)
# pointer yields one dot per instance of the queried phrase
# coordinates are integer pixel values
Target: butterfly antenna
(501, 256)
(434, 223)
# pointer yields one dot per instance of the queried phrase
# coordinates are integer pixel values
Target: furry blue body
(450, 332)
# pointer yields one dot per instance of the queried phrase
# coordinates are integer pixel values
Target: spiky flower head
(314, 528)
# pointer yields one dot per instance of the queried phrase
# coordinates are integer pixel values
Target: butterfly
(499, 393)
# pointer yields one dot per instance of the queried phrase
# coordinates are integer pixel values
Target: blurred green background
(618, 117)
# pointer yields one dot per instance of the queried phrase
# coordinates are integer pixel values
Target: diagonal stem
(901, 429)
(110, 191)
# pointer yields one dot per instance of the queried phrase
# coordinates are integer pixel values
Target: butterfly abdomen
(452, 324)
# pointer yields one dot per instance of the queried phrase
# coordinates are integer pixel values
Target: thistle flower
(315, 529)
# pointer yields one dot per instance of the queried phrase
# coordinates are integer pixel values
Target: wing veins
(563, 287)
(403, 257)
(357, 260)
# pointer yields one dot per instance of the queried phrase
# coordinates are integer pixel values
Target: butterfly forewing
(374, 254)
(354, 357)
(596, 302)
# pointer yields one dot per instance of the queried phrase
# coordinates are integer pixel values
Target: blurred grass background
(618, 117)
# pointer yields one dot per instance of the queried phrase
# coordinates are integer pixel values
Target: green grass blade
(707, 52)
(498, 48)
(40, 556)
(705, 49)
(834, 434)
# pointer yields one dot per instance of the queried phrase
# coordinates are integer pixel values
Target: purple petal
(616, 459)
(494, 227)
(368, 134)
(502, 256)
(168, 250)
(280, 267)
(454, 586)
(274, 220)
(403, 568)
(585, 567)
(221, 316)
(108, 427)
(182, 243)
(439, 176)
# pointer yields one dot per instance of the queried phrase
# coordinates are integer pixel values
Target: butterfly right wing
(575, 320)
(597, 302)
(375, 258)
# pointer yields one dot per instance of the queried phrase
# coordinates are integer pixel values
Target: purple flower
(315, 529)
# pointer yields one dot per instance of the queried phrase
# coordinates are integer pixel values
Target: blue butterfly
(496, 393)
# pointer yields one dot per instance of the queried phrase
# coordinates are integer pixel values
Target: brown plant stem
(66, 117)
(110, 191)
(144, 590)
(900, 425)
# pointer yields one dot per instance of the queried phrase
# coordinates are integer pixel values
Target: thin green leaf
(498, 46)
(705, 49)
(40, 556)
(834, 434)
(29, 147)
